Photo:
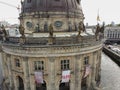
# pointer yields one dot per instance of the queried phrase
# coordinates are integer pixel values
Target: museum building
(53, 52)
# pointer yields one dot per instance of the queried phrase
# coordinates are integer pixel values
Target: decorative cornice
(51, 51)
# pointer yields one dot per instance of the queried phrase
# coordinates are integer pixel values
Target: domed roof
(50, 5)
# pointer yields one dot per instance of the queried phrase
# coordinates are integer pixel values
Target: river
(110, 74)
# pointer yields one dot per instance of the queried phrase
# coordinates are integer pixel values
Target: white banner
(38, 77)
(65, 76)
(87, 70)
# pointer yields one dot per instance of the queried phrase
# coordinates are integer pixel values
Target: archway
(20, 83)
(41, 86)
(84, 84)
(64, 86)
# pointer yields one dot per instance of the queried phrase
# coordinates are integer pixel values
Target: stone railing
(51, 50)
(55, 40)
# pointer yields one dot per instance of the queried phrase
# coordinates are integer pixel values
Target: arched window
(17, 62)
(42, 86)
(64, 86)
(20, 83)
(84, 84)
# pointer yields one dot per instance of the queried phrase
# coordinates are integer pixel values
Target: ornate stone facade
(52, 54)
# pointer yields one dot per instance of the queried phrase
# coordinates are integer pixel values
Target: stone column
(94, 66)
(15, 83)
(10, 72)
(94, 70)
(77, 73)
(57, 86)
(5, 68)
(89, 79)
(51, 74)
(32, 82)
(26, 73)
(72, 84)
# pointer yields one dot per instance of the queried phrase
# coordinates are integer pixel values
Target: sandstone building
(54, 52)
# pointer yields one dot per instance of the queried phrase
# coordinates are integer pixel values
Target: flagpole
(98, 17)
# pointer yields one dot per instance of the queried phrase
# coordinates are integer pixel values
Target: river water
(110, 74)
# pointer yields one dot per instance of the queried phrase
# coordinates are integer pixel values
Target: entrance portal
(41, 86)
(21, 84)
(84, 84)
(64, 86)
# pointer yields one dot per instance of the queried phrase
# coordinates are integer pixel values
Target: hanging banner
(87, 70)
(38, 77)
(65, 76)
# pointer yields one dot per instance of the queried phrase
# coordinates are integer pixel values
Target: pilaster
(51, 82)
(15, 83)
(10, 72)
(77, 73)
(26, 73)
(94, 70)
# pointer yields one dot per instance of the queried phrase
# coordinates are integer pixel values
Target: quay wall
(112, 54)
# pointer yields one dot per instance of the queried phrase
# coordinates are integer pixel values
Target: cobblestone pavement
(110, 74)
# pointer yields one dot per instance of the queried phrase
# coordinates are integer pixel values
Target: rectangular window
(86, 60)
(17, 62)
(39, 65)
(65, 64)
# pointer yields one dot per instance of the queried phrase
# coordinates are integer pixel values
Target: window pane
(39, 65)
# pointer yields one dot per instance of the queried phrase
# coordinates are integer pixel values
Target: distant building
(5, 23)
(13, 32)
(113, 23)
(112, 33)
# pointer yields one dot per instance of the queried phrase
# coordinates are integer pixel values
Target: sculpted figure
(97, 29)
(4, 31)
(81, 27)
(21, 30)
(102, 28)
(51, 30)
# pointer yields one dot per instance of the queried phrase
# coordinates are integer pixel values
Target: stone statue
(4, 37)
(97, 33)
(51, 30)
(102, 28)
(4, 31)
(81, 27)
(21, 30)
(97, 29)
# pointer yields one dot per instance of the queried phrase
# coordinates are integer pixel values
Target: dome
(50, 6)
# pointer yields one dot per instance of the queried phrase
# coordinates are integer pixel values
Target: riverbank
(112, 54)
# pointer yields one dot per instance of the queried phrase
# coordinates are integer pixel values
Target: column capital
(25, 58)
(77, 57)
(8, 55)
(51, 59)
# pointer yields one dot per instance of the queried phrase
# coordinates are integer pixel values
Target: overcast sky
(109, 10)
